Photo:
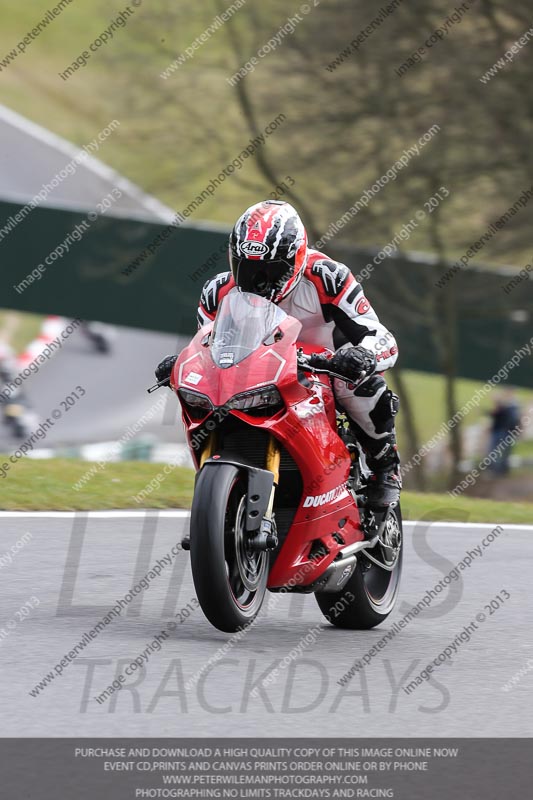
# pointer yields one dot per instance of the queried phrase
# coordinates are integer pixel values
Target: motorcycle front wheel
(230, 579)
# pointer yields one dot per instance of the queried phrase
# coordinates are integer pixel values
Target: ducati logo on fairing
(250, 248)
(328, 497)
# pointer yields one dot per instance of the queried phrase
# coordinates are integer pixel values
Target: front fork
(272, 462)
(209, 449)
(267, 538)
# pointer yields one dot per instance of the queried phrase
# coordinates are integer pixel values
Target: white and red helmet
(268, 249)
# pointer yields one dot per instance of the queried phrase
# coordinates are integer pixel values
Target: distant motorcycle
(279, 501)
(14, 408)
(99, 335)
(15, 418)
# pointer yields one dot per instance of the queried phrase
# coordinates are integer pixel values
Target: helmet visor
(265, 278)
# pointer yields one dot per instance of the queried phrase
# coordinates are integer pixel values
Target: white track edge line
(184, 514)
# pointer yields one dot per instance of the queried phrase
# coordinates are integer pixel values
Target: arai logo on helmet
(250, 248)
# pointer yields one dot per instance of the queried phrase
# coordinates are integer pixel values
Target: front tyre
(230, 579)
(370, 595)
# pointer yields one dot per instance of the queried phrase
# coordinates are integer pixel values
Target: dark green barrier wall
(87, 281)
(162, 292)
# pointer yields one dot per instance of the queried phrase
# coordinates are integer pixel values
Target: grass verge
(464, 509)
(47, 485)
(19, 328)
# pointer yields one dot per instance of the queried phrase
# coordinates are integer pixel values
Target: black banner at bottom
(127, 769)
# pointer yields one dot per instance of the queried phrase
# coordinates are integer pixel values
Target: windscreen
(243, 322)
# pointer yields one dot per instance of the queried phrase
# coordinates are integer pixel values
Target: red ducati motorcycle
(279, 500)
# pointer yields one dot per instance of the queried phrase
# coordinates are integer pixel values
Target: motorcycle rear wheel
(370, 594)
(230, 580)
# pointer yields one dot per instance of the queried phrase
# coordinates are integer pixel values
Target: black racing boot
(385, 482)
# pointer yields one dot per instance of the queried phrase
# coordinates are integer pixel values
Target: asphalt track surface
(32, 156)
(115, 390)
(77, 566)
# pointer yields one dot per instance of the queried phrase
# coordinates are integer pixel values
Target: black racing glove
(320, 361)
(351, 363)
(164, 370)
(354, 362)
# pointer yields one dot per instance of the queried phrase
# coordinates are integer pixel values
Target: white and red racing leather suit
(334, 313)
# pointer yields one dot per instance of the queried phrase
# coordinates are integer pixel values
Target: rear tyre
(370, 595)
(230, 579)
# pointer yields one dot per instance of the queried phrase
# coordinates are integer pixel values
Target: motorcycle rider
(269, 256)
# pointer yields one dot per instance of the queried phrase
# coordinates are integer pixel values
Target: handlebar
(303, 361)
(157, 386)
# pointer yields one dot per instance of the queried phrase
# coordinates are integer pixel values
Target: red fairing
(305, 427)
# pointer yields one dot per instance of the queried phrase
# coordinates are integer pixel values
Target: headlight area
(262, 402)
(197, 406)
